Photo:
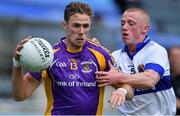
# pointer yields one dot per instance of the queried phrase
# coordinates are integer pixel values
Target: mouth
(125, 34)
(80, 40)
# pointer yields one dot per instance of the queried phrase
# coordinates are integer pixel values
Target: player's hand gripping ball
(36, 54)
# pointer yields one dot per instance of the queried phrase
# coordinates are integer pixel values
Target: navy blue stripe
(139, 46)
(156, 67)
(163, 84)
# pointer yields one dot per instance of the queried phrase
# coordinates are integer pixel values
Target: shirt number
(73, 65)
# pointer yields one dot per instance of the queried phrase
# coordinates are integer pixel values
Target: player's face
(77, 30)
(132, 27)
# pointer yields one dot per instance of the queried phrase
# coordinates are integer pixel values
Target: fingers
(103, 84)
(113, 100)
(22, 42)
(95, 40)
(102, 73)
(110, 65)
(117, 98)
(102, 81)
(102, 77)
(112, 68)
(25, 40)
(20, 46)
(121, 101)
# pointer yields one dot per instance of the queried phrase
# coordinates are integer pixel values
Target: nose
(81, 30)
(124, 27)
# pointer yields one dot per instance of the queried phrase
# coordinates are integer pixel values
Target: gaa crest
(86, 66)
(141, 68)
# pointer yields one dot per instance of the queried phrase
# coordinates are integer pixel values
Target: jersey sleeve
(39, 75)
(158, 61)
(109, 58)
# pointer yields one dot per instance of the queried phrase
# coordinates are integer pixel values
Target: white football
(36, 54)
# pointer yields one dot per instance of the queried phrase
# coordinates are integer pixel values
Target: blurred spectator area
(42, 18)
(165, 21)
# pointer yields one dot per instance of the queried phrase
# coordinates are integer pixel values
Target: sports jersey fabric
(156, 101)
(70, 82)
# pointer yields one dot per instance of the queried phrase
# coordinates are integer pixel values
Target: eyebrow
(84, 24)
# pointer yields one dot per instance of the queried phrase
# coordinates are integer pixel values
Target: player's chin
(126, 40)
(80, 43)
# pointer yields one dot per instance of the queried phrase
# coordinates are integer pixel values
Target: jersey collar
(139, 46)
(63, 46)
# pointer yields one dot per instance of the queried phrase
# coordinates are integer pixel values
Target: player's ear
(146, 29)
(64, 24)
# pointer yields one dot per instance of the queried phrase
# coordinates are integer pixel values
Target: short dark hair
(77, 7)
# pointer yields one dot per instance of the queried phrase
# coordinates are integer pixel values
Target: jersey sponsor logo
(61, 64)
(86, 67)
(76, 84)
(74, 76)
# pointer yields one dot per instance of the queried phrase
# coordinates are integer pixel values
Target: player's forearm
(18, 84)
(145, 80)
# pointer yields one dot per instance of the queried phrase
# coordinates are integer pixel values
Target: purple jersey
(70, 82)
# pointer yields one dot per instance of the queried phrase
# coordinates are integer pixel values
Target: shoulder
(56, 47)
(154, 47)
(98, 48)
(117, 52)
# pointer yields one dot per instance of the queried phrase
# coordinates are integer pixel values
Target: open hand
(117, 98)
(108, 78)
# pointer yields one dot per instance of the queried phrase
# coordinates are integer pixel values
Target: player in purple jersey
(70, 82)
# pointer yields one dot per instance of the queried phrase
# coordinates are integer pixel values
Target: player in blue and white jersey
(145, 66)
(70, 82)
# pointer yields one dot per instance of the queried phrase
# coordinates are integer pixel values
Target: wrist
(126, 78)
(16, 63)
(122, 90)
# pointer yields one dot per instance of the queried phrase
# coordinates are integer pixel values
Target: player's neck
(71, 48)
(132, 49)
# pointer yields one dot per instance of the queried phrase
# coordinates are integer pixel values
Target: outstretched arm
(143, 80)
(23, 85)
